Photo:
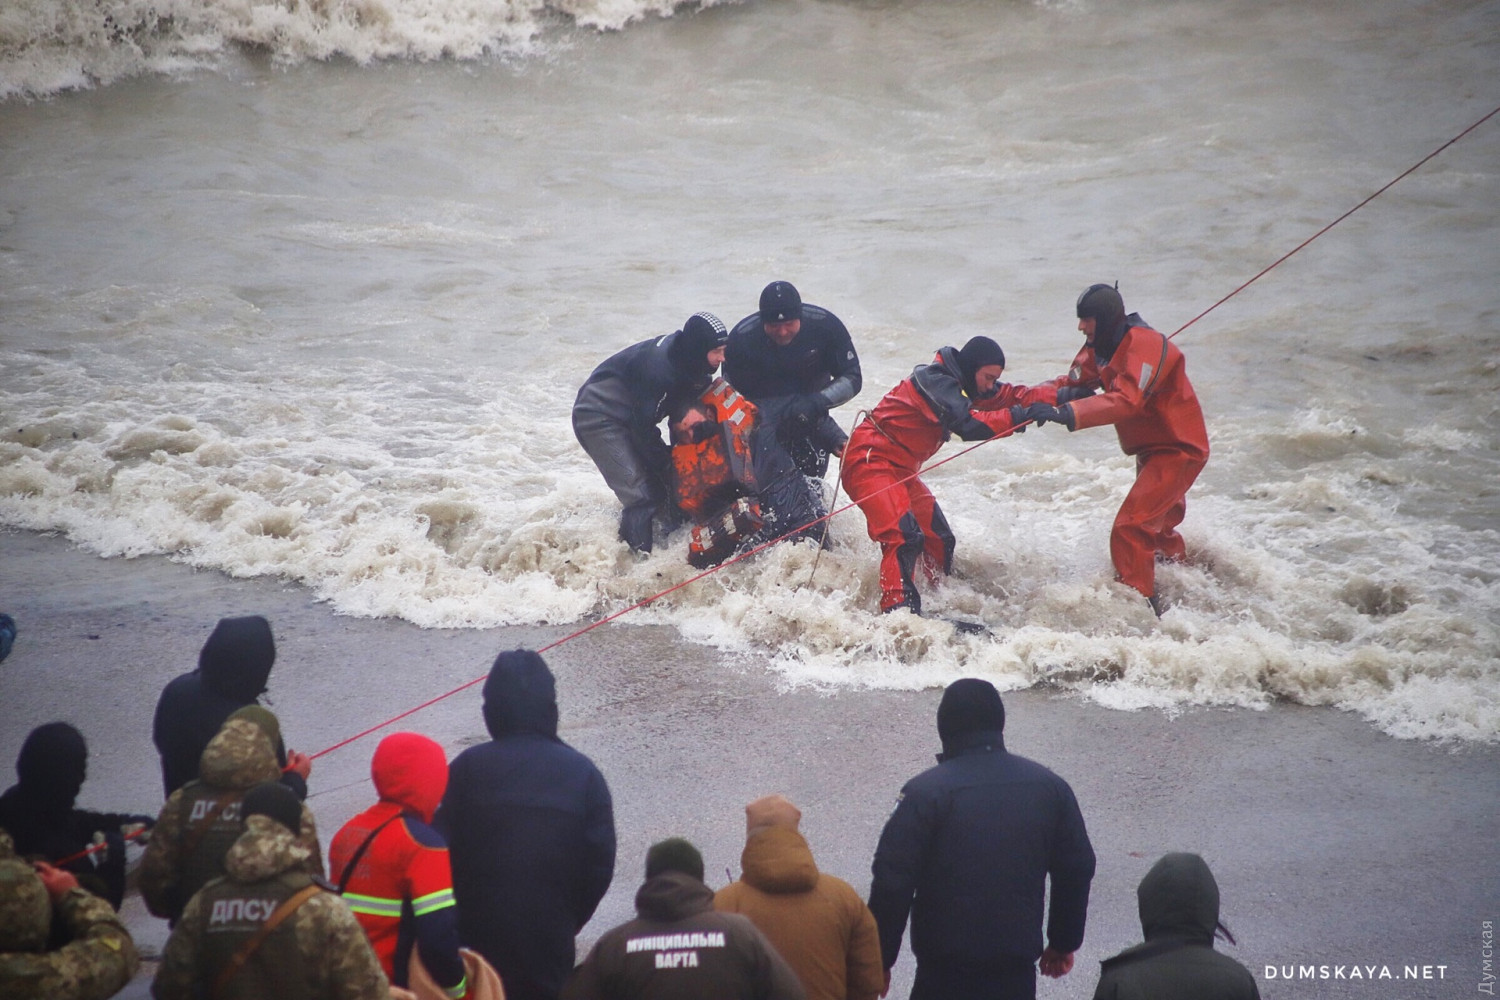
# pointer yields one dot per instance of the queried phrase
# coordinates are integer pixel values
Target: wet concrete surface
(1334, 846)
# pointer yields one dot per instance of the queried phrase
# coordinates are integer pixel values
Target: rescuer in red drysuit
(732, 489)
(958, 393)
(1148, 397)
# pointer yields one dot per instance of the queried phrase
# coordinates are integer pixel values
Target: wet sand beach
(1334, 845)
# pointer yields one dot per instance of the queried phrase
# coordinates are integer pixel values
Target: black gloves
(1068, 393)
(1043, 413)
(809, 408)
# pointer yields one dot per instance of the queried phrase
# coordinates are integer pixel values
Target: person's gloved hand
(57, 880)
(1046, 413)
(1068, 393)
(809, 408)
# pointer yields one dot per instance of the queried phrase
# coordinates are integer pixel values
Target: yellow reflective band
(374, 906)
(433, 901)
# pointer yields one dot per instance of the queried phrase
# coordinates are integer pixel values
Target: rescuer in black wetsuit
(795, 362)
(617, 414)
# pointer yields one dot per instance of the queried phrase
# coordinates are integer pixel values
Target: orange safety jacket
(1147, 395)
(710, 474)
(905, 429)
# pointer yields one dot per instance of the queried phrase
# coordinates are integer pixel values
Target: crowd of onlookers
(472, 878)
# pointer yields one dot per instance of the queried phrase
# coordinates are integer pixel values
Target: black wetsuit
(616, 418)
(820, 360)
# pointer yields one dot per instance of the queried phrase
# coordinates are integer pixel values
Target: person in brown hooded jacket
(817, 922)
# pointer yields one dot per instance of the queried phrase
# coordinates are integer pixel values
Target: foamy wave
(419, 495)
(48, 46)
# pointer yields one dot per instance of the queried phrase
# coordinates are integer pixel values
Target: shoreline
(1333, 844)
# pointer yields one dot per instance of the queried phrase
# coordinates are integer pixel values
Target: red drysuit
(889, 446)
(1148, 397)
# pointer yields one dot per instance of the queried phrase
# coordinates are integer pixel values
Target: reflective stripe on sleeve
(375, 906)
(431, 902)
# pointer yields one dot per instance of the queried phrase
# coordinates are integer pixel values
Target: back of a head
(1179, 897)
(25, 907)
(52, 766)
(275, 800)
(236, 660)
(675, 854)
(412, 770)
(1102, 303)
(969, 707)
(770, 811)
(266, 720)
(239, 756)
(520, 695)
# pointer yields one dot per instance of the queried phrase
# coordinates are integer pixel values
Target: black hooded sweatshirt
(531, 834)
(232, 671)
(1179, 906)
(38, 811)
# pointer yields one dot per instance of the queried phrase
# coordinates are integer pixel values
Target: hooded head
(236, 660)
(239, 756)
(412, 771)
(1179, 898)
(770, 811)
(1106, 308)
(520, 695)
(971, 712)
(25, 907)
(979, 352)
(702, 333)
(673, 855)
(268, 723)
(52, 766)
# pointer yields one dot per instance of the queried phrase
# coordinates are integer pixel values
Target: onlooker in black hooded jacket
(968, 853)
(38, 812)
(531, 833)
(1179, 906)
(232, 670)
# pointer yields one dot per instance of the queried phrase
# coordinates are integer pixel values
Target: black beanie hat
(275, 800)
(779, 302)
(977, 353)
(674, 855)
(702, 332)
(520, 695)
(969, 705)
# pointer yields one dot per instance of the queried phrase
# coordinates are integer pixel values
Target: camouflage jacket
(97, 961)
(236, 760)
(332, 947)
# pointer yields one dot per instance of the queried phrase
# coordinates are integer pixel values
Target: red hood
(412, 771)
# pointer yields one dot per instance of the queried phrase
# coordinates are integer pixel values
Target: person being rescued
(734, 492)
(960, 392)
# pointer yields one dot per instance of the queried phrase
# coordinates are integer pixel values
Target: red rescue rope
(958, 454)
(853, 503)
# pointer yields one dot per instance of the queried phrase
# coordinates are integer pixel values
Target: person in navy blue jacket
(967, 854)
(531, 833)
(233, 667)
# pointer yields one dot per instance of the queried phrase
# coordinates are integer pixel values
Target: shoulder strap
(197, 831)
(360, 852)
(238, 959)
